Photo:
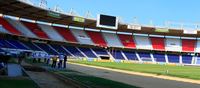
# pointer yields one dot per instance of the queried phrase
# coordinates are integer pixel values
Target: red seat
(97, 38)
(65, 33)
(127, 41)
(35, 29)
(188, 45)
(9, 27)
(158, 43)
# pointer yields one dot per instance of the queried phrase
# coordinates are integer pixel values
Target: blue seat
(74, 51)
(172, 58)
(17, 44)
(99, 51)
(31, 46)
(130, 55)
(88, 52)
(47, 49)
(187, 59)
(145, 56)
(117, 54)
(159, 57)
(60, 49)
(5, 44)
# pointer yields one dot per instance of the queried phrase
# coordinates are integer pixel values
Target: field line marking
(142, 74)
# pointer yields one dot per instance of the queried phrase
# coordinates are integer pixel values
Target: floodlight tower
(43, 3)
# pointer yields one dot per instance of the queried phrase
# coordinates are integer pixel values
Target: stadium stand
(186, 59)
(51, 32)
(127, 41)
(31, 46)
(117, 54)
(88, 52)
(173, 58)
(173, 44)
(159, 57)
(144, 56)
(60, 49)
(17, 44)
(9, 27)
(97, 38)
(35, 29)
(188, 45)
(66, 34)
(82, 37)
(18, 25)
(143, 42)
(130, 55)
(3, 30)
(74, 51)
(158, 43)
(100, 52)
(5, 44)
(112, 39)
(47, 48)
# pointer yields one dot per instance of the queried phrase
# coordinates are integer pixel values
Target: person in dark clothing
(54, 62)
(65, 61)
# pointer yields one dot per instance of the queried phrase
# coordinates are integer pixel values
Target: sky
(145, 11)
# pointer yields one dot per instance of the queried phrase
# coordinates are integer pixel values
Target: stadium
(102, 42)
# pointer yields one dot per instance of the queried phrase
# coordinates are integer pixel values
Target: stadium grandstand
(83, 39)
(44, 33)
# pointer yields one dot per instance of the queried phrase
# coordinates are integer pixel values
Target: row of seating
(103, 39)
(54, 49)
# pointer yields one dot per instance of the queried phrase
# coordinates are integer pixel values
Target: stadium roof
(23, 10)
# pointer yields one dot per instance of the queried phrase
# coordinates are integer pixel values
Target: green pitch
(177, 71)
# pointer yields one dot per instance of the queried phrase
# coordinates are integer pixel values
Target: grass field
(91, 81)
(177, 71)
(17, 83)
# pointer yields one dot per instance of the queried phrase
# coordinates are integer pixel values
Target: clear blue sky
(159, 11)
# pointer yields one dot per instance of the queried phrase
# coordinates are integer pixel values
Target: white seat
(50, 31)
(143, 42)
(112, 39)
(81, 36)
(173, 44)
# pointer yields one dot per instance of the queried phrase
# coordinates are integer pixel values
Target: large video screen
(105, 21)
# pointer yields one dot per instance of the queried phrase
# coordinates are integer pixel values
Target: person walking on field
(65, 61)
(54, 62)
(61, 58)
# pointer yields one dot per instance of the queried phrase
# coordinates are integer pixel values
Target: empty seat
(19, 26)
(143, 42)
(99, 51)
(9, 27)
(82, 37)
(65, 33)
(186, 59)
(88, 52)
(112, 39)
(145, 56)
(3, 30)
(31, 46)
(97, 38)
(173, 44)
(5, 44)
(127, 41)
(47, 48)
(35, 29)
(172, 58)
(159, 57)
(130, 55)
(60, 49)
(74, 51)
(51, 32)
(158, 43)
(17, 44)
(117, 54)
(188, 45)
